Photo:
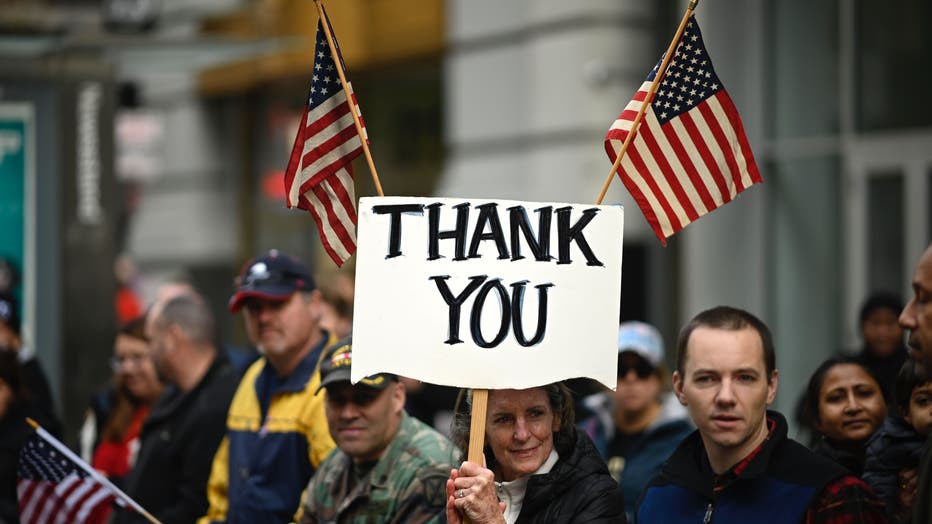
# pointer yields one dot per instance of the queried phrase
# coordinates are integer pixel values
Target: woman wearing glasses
(638, 426)
(118, 420)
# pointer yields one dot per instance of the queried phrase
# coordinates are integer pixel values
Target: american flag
(690, 154)
(52, 488)
(319, 176)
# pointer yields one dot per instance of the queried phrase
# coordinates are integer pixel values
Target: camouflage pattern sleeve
(425, 499)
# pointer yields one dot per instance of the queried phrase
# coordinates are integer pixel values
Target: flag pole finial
(693, 4)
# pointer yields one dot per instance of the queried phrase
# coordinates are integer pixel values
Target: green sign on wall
(15, 172)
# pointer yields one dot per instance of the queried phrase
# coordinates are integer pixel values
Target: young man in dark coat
(184, 428)
(740, 466)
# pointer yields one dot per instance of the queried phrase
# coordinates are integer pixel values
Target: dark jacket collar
(689, 465)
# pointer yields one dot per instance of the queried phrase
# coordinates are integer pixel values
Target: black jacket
(577, 489)
(850, 457)
(177, 447)
(891, 449)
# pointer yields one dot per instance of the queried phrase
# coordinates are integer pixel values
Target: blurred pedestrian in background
(35, 382)
(336, 309)
(537, 464)
(115, 419)
(884, 350)
(845, 404)
(183, 430)
(15, 406)
(637, 427)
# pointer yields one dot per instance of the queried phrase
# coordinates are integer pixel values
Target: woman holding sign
(538, 467)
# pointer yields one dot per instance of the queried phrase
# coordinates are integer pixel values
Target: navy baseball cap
(273, 276)
(337, 363)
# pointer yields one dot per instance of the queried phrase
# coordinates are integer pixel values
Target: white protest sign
(487, 294)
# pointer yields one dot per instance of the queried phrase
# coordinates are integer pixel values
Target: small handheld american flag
(690, 154)
(55, 486)
(319, 176)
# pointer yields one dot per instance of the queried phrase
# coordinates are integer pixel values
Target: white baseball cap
(643, 339)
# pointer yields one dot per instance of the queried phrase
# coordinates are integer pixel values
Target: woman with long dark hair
(845, 405)
(136, 388)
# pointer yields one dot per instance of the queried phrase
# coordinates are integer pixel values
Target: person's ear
(399, 394)
(315, 308)
(678, 388)
(176, 334)
(772, 387)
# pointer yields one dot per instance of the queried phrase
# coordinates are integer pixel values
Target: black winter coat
(891, 449)
(850, 457)
(177, 447)
(578, 489)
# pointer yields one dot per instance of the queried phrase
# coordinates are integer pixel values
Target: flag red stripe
(26, 497)
(294, 160)
(329, 145)
(644, 204)
(324, 238)
(729, 107)
(343, 196)
(723, 144)
(40, 496)
(344, 162)
(697, 180)
(60, 499)
(80, 504)
(326, 120)
(332, 217)
(647, 134)
(654, 188)
(720, 178)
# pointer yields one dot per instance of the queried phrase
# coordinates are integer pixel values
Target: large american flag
(319, 177)
(52, 488)
(690, 154)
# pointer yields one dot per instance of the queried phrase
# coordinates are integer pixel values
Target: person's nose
(726, 393)
(349, 410)
(852, 406)
(907, 318)
(521, 430)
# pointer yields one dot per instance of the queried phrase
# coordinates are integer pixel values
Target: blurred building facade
(197, 103)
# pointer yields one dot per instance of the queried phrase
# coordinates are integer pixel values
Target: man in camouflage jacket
(388, 466)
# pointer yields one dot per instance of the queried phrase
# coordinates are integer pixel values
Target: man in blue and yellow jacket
(276, 428)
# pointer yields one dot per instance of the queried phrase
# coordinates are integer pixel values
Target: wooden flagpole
(46, 436)
(349, 96)
(647, 99)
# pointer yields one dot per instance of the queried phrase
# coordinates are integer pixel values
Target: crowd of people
(194, 432)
